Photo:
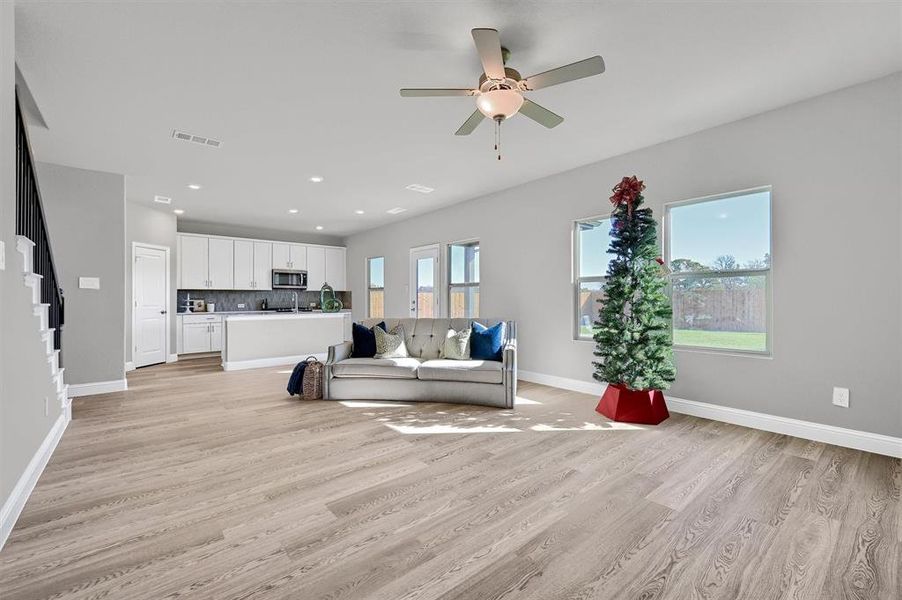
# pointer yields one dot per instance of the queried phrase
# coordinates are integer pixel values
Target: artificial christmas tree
(632, 334)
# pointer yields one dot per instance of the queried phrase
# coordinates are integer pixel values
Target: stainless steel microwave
(283, 279)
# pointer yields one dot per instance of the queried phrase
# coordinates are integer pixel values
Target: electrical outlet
(241, 305)
(46, 406)
(841, 397)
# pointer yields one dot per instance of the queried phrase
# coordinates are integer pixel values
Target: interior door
(425, 294)
(150, 275)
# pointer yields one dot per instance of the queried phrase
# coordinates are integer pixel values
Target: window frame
(576, 280)
(448, 280)
(370, 287)
(666, 236)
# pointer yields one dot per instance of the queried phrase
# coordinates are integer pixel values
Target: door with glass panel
(425, 299)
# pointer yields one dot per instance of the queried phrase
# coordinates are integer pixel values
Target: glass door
(425, 286)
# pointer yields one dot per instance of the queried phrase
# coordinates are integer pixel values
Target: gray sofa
(424, 376)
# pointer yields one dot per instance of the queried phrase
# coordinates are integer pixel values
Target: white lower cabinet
(201, 333)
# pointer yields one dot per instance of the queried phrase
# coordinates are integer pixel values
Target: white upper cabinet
(222, 264)
(336, 275)
(262, 265)
(194, 262)
(289, 256)
(316, 267)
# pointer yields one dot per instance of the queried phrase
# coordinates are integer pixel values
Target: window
(375, 287)
(718, 250)
(463, 280)
(591, 240)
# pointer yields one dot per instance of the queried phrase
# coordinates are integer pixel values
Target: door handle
(162, 312)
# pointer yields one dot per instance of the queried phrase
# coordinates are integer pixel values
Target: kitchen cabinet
(335, 268)
(201, 333)
(206, 263)
(316, 267)
(289, 256)
(253, 265)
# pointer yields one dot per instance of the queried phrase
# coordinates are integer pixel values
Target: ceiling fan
(499, 94)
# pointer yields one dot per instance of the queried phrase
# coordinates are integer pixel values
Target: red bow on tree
(626, 192)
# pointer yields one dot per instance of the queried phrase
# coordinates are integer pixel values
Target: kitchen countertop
(258, 312)
(268, 316)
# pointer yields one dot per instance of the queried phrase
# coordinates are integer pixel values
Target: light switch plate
(89, 283)
(841, 397)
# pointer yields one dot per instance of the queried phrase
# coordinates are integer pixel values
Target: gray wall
(834, 164)
(260, 233)
(157, 227)
(85, 213)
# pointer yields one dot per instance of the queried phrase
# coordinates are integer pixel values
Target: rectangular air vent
(395, 211)
(162, 199)
(195, 139)
(416, 187)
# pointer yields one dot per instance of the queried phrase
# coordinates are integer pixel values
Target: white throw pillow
(457, 344)
(390, 345)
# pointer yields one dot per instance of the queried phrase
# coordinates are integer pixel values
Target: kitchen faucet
(295, 294)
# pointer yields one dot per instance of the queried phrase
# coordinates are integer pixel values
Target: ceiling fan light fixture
(503, 103)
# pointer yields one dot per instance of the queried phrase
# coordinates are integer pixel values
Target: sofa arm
(509, 371)
(338, 352)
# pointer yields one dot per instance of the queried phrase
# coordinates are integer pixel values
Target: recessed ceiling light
(416, 187)
(162, 199)
(293, 211)
(316, 179)
(193, 186)
(396, 210)
(319, 227)
(358, 212)
(178, 211)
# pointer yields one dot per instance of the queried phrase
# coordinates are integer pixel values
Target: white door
(222, 269)
(335, 268)
(194, 261)
(298, 257)
(262, 265)
(150, 277)
(281, 256)
(195, 337)
(316, 267)
(244, 265)
(425, 295)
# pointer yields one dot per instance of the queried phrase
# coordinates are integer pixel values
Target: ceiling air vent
(162, 199)
(416, 187)
(395, 211)
(195, 139)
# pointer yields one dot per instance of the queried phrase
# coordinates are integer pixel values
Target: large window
(375, 287)
(719, 252)
(591, 239)
(463, 280)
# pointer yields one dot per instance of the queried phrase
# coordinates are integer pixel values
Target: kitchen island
(250, 341)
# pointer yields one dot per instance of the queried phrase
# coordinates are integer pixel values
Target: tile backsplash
(228, 300)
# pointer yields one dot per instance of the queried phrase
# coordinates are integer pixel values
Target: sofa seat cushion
(474, 371)
(385, 368)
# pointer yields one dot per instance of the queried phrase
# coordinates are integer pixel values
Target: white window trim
(370, 287)
(447, 270)
(768, 272)
(575, 279)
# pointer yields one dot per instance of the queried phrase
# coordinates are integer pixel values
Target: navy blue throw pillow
(486, 342)
(364, 340)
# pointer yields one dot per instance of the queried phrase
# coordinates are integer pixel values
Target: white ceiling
(301, 89)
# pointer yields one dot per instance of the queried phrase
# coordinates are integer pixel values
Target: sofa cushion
(487, 342)
(383, 368)
(390, 345)
(475, 371)
(457, 345)
(364, 340)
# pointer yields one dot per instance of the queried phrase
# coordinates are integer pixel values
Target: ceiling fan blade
(488, 45)
(470, 124)
(578, 70)
(540, 114)
(429, 92)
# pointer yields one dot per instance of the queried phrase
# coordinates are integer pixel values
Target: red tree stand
(620, 403)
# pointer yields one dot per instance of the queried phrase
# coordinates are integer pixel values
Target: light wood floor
(202, 484)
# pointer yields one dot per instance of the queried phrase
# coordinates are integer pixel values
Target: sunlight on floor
(373, 404)
(603, 426)
(414, 429)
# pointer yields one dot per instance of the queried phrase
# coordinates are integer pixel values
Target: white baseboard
(13, 506)
(279, 361)
(838, 436)
(172, 358)
(129, 366)
(97, 387)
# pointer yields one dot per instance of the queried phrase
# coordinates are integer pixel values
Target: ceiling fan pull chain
(498, 137)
